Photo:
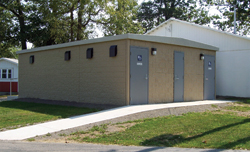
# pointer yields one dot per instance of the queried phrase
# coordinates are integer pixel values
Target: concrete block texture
(161, 71)
(104, 79)
(99, 80)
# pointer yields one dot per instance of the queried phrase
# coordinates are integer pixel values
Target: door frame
(183, 75)
(130, 48)
(204, 78)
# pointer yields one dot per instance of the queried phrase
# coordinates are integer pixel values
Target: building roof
(196, 25)
(149, 38)
(15, 61)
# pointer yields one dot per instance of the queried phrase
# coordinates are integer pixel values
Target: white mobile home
(8, 74)
(232, 59)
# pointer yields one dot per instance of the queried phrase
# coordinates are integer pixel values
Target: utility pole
(235, 18)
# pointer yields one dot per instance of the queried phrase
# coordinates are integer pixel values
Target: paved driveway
(59, 147)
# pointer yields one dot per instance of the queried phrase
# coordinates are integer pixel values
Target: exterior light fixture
(153, 51)
(202, 57)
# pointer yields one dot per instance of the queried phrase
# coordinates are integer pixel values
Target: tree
(226, 7)
(87, 14)
(120, 18)
(17, 9)
(55, 22)
(49, 22)
(8, 42)
(153, 13)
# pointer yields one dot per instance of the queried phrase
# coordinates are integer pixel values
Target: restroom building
(119, 70)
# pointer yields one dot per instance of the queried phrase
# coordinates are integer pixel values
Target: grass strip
(14, 114)
(192, 130)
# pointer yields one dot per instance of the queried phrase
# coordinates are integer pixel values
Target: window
(9, 73)
(5, 73)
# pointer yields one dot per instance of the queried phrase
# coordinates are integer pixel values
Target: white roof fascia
(197, 25)
(75, 43)
(150, 38)
(15, 61)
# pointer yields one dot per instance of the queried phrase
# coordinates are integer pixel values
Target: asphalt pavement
(17, 146)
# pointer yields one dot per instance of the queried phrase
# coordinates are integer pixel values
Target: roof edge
(197, 25)
(150, 38)
(75, 43)
(9, 60)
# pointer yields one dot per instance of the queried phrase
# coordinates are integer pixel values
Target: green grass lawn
(220, 129)
(14, 114)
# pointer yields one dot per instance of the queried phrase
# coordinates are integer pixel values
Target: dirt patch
(76, 136)
(224, 110)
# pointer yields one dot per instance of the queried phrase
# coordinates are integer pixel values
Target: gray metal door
(209, 77)
(178, 76)
(138, 75)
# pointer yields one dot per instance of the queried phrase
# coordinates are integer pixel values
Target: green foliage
(8, 51)
(47, 22)
(120, 18)
(48, 134)
(226, 7)
(8, 42)
(152, 13)
(31, 139)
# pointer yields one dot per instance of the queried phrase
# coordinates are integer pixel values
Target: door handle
(206, 78)
(146, 77)
(176, 77)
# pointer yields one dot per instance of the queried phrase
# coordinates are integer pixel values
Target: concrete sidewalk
(72, 122)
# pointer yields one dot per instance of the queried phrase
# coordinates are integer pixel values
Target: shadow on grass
(171, 140)
(55, 110)
(239, 99)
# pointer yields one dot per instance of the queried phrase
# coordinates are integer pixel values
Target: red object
(5, 86)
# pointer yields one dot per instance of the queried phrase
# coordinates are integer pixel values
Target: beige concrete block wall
(103, 78)
(50, 77)
(161, 72)
(193, 73)
(100, 80)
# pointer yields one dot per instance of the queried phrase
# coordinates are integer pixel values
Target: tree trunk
(22, 26)
(79, 24)
(72, 23)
